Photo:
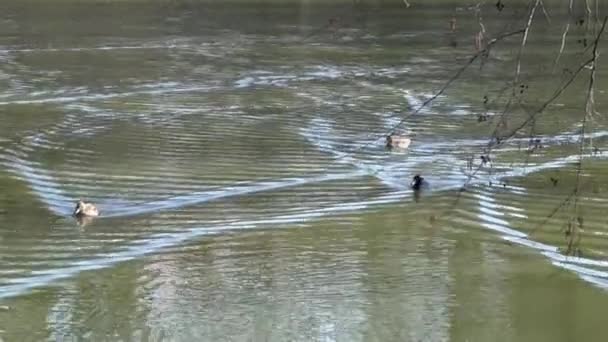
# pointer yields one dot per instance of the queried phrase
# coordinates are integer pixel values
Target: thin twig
(588, 11)
(523, 42)
(560, 90)
(544, 106)
(531, 118)
(562, 204)
(456, 76)
(566, 29)
(446, 85)
(589, 105)
(597, 12)
(480, 19)
(542, 7)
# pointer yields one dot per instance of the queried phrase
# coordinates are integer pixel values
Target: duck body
(397, 141)
(419, 183)
(84, 209)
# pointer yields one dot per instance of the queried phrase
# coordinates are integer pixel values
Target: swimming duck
(85, 209)
(418, 183)
(397, 141)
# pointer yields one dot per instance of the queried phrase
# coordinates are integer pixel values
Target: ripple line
(91, 97)
(158, 242)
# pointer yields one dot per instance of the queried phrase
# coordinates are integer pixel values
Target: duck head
(389, 141)
(78, 208)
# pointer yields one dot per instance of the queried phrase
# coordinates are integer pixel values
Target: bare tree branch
(446, 85)
(561, 89)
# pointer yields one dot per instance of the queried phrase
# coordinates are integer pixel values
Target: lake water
(236, 154)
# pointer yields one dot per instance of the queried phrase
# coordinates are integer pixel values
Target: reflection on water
(246, 193)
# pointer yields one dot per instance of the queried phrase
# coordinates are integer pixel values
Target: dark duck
(419, 183)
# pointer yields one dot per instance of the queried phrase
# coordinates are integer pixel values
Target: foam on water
(100, 96)
(96, 48)
(391, 169)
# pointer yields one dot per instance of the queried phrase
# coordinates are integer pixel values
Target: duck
(419, 183)
(397, 141)
(85, 209)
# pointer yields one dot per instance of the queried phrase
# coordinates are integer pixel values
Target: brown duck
(85, 209)
(397, 141)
